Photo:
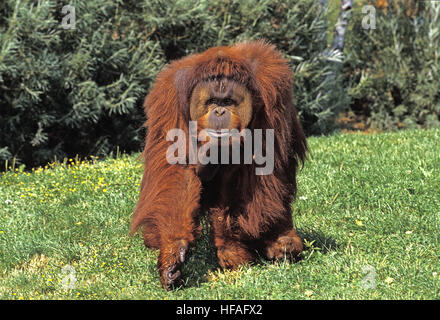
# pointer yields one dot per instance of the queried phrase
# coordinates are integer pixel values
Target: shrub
(67, 92)
(394, 69)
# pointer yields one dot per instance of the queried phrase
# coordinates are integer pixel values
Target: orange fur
(248, 212)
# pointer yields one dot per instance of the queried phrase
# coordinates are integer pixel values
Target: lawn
(367, 208)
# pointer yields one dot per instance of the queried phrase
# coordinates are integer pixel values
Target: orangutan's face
(220, 104)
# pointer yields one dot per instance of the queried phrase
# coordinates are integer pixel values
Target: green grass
(364, 200)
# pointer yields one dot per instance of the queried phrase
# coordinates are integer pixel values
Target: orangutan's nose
(219, 111)
(219, 118)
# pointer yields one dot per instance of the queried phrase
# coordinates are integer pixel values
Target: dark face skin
(221, 104)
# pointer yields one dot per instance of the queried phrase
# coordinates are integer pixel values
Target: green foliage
(67, 92)
(394, 69)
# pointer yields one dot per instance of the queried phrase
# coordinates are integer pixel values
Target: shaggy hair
(248, 212)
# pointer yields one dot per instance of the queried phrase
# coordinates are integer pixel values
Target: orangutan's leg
(287, 245)
(231, 252)
(177, 225)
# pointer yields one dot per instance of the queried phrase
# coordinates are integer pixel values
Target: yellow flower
(308, 293)
(389, 280)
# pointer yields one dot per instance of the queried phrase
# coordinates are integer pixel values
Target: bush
(394, 69)
(67, 92)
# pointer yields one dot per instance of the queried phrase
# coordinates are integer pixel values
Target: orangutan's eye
(221, 102)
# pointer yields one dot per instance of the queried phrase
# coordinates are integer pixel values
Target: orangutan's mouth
(218, 133)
